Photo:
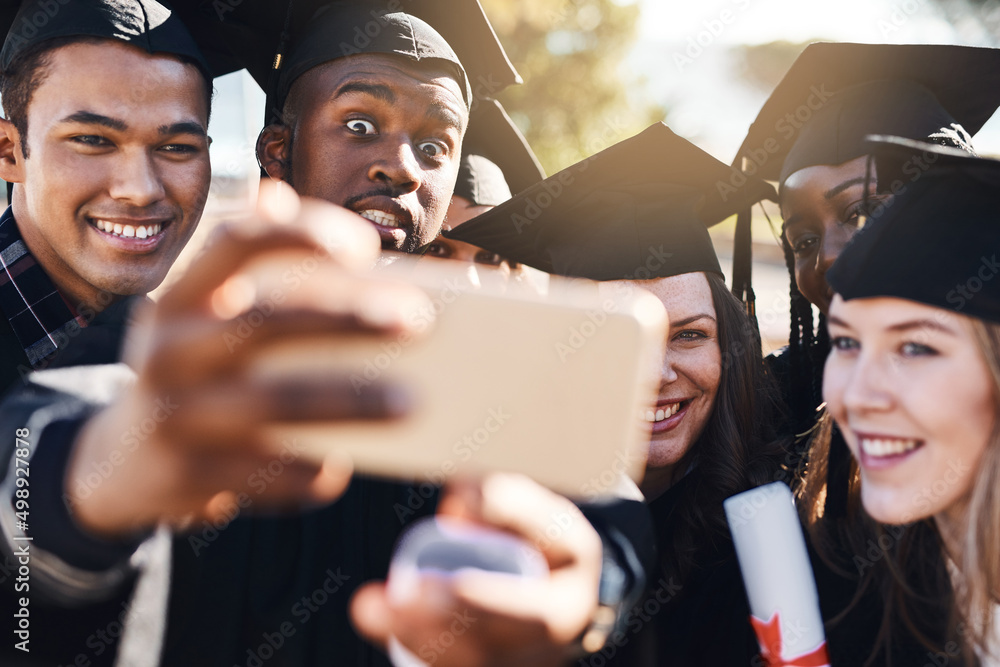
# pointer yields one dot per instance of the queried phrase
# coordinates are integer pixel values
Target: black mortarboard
(339, 29)
(933, 242)
(147, 24)
(834, 95)
(481, 182)
(262, 33)
(497, 161)
(639, 209)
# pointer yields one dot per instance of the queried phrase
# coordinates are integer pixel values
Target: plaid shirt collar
(39, 315)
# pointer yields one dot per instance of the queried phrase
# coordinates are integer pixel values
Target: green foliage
(577, 97)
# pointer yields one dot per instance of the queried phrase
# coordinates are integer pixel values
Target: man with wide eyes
(378, 132)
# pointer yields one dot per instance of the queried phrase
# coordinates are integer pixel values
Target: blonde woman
(913, 382)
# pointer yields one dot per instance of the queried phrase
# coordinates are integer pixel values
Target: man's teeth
(887, 446)
(381, 218)
(128, 231)
(658, 415)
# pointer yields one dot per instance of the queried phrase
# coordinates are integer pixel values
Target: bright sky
(684, 52)
(759, 21)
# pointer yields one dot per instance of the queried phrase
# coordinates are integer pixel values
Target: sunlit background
(599, 71)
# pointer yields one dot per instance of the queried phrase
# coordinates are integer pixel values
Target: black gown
(700, 622)
(12, 356)
(61, 635)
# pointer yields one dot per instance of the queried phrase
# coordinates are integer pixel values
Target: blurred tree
(577, 98)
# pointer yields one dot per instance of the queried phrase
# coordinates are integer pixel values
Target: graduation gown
(62, 632)
(700, 622)
(12, 356)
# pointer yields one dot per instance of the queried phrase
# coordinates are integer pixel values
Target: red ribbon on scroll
(769, 638)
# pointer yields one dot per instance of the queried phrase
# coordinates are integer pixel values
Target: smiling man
(375, 127)
(106, 106)
(105, 139)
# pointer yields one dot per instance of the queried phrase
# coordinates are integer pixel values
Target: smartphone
(550, 385)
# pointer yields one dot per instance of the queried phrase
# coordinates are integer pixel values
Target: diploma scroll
(784, 605)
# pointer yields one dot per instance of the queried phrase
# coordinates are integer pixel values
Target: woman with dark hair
(913, 382)
(636, 219)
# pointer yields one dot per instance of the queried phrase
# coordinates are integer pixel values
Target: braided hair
(807, 350)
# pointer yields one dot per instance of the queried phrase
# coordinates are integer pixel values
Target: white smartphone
(552, 386)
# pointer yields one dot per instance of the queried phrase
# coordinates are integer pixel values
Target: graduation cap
(147, 24)
(639, 209)
(835, 95)
(930, 243)
(262, 34)
(481, 181)
(496, 159)
(339, 29)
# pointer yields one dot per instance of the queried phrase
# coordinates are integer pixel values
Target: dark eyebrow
(185, 127)
(91, 118)
(688, 320)
(443, 114)
(902, 326)
(378, 91)
(836, 190)
(922, 324)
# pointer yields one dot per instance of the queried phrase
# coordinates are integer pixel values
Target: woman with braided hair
(810, 137)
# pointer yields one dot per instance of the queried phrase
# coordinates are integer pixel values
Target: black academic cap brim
(252, 33)
(965, 80)
(931, 243)
(599, 218)
(493, 135)
(50, 20)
